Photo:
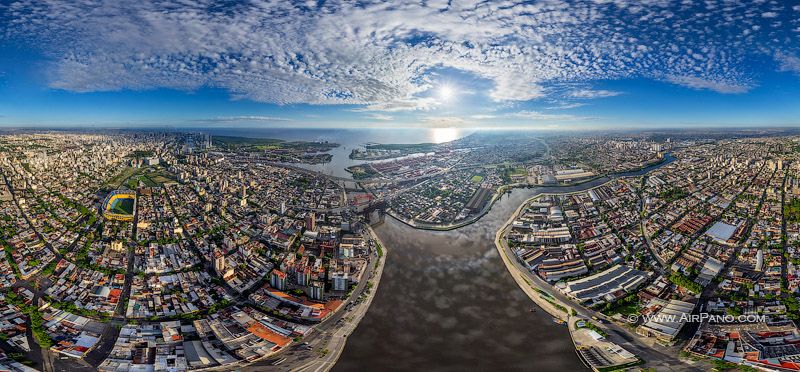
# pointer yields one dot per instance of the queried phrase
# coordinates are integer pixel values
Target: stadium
(120, 205)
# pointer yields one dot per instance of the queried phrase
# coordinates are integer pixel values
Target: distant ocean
(348, 138)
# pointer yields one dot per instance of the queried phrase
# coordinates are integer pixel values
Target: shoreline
(339, 337)
(502, 189)
(364, 308)
(533, 290)
(495, 197)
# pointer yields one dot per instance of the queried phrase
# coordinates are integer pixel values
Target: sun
(446, 92)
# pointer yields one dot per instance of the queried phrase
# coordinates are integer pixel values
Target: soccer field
(122, 206)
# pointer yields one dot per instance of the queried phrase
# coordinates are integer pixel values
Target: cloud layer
(385, 55)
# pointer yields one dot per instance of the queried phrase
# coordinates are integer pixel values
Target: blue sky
(542, 65)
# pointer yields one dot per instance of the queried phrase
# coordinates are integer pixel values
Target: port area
(595, 351)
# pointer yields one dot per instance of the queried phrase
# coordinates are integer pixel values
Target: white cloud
(788, 62)
(383, 54)
(566, 106)
(507, 88)
(539, 116)
(241, 119)
(380, 117)
(444, 121)
(591, 94)
(703, 84)
(410, 104)
(529, 115)
(483, 116)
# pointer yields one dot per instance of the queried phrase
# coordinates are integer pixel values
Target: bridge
(378, 205)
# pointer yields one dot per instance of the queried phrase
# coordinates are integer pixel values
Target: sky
(558, 65)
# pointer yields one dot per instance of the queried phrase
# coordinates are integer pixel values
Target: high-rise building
(311, 221)
(340, 281)
(304, 276)
(277, 280)
(316, 291)
(219, 262)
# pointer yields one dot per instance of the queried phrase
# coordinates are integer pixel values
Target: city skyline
(544, 65)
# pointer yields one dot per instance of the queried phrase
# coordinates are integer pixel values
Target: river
(347, 138)
(446, 301)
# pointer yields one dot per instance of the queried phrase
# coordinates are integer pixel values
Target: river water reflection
(447, 303)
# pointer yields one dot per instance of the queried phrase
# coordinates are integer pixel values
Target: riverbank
(332, 350)
(537, 293)
(562, 307)
(540, 293)
(495, 197)
(443, 295)
(605, 178)
(500, 191)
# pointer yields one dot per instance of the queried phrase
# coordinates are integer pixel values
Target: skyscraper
(278, 280)
(311, 221)
(219, 262)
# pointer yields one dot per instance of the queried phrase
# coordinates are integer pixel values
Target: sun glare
(441, 135)
(446, 92)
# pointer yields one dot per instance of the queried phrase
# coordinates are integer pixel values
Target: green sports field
(122, 206)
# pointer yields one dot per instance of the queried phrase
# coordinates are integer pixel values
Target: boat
(559, 321)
